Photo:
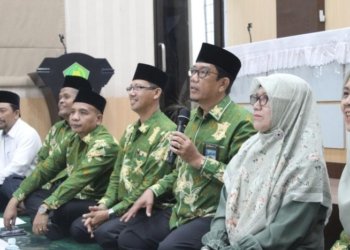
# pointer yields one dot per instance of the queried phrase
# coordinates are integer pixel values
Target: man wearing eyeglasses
(216, 130)
(140, 163)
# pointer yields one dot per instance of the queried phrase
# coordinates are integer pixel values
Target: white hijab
(281, 165)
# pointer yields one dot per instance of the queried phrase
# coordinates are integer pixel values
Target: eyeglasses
(263, 99)
(138, 88)
(202, 73)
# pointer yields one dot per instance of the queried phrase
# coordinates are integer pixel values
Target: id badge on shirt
(211, 151)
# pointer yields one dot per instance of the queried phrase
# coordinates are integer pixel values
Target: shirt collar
(65, 123)
(91, 135)
(144, 127)
(13, 131)
(217, 111)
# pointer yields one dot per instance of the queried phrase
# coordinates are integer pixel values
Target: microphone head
(250, 25)
(183, 116)
(61, 36)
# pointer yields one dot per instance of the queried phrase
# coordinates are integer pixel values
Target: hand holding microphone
(182, 121)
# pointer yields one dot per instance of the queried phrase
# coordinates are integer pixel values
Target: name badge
(211, 151)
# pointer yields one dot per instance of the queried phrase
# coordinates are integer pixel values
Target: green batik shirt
(89, 162)
(58, 133)
(140, 163)
(218, 136)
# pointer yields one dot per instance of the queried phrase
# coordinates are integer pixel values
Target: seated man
(140, 163)
(89, 157)
(19, 144)
(58, 133)
(216, 130)
(61, 129)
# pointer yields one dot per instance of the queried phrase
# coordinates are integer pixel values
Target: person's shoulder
(61, 123)
(236, 115)
(26, 130)
(238, 110)
(106, 144)
(21, 124)
(165, 122)
(159, 121)
(101, 134)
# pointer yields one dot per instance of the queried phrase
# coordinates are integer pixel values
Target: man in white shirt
(19, 144)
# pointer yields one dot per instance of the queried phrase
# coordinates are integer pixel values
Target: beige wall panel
(34, 23)
(262, 14)
(21, 61)
(337, 14)
(335, 155)
(34, 111)
(29, 32)
(118, 115)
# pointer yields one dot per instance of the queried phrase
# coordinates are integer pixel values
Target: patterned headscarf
(281, 165)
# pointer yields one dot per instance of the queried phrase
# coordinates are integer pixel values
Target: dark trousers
(106, 234)
(34, 200)
(154, 233)
(7, 188)
(62, 217)
(69, 212)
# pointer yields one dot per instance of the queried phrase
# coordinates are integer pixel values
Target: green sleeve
(216, 238)
(44, 172)
(91, 166)
(296, 224)
(218, 222)
(111, 195)
(165, 184)
(45, 148)
(292, 224)
(59, 132)
(215, 169)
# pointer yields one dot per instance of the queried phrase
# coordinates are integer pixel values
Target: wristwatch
(110, 213)
(43, 209)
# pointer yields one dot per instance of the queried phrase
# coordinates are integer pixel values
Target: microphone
(249, 27)
(182, 121)
(61, 36)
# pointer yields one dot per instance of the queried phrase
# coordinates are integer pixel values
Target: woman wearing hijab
(276, 193)
(344, 184)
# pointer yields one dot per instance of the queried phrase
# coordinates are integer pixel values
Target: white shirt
(18, 149)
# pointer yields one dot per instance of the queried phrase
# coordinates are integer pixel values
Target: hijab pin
(279, 134)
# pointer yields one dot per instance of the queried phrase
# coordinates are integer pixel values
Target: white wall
(121, 31)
